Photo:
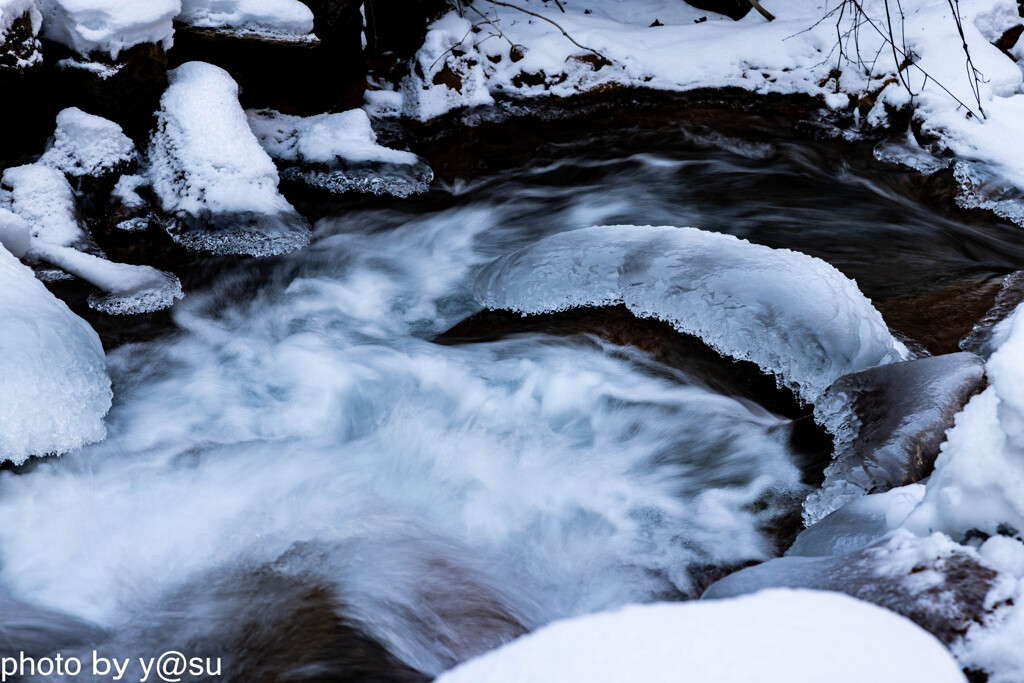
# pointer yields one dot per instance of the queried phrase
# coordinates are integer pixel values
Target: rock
(982, 339)
(888, 423)
(735, 9)
(936, 583)
(20, 49)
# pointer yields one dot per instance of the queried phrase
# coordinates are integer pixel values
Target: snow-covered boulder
(276, 19)
(937, 583)
(794, 315)
(20, 49)
(88, 146)
(53, 372)
(791, 636)
(888, 423)
(15, 233)
(41, 195)
(108, 26)
(210, 173)
(338, 153)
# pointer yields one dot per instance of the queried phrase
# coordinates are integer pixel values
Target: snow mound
(978, 481)
(15, 233)
(53, 373)
(796, 636)
(270, 18)
(889, 423)
(338, 153)
(793, 315)
(108, 26)
(210, 173)
(87, 145)
(41, 195)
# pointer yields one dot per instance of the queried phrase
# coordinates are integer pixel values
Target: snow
(209, 171)
(344, 151)
(12, 10)
(793, 315)
(87, 145)
(978, 481)
(796, 54)
(129, 288)
(108, 26)
(53, 375)
(43, 198)
(779, 635)
(15, 233)
(272, 18)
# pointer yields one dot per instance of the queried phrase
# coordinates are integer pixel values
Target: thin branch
(553, 23)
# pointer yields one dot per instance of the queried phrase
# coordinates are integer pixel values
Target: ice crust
(87, 145)
(210, 173)
(338, 153)
(53, 377)
(793, 315)
(108, 26)
(264, 17)
(795, 636)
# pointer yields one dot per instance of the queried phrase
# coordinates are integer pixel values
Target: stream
(294, 466)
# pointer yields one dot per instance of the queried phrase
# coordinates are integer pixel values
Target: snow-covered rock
(794, 315)
(796, 636)
(937, 583)
(338, 153)
(15, 233)
(278, 19)
(979, 475)
(108, 26)
(53, 372)
(888, 423)
(41, 195)
(210, 173)
(20, 22)
(87, 145)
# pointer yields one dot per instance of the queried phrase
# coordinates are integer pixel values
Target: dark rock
(1009, 39)
(939, 585)
(735, 9)
(889, 422)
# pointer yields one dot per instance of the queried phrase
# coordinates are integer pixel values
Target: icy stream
(301, 423)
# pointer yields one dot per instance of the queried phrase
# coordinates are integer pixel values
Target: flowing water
(299, 439)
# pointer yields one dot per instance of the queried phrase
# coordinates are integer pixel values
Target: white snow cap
(265, 17)
(43, 198)
(108, 26)
(53, 373)
(204, 161)
(87, 145)
(791, 636)
(978, 481)
(793, 315)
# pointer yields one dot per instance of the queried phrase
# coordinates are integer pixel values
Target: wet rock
(983, 338)
(936, 583)
(889, 423)
(38, 632)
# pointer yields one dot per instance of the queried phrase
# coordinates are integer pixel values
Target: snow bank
(108, 26)
(781, 635)
(53, 376)
(979, 475)
(210, 173)
(270, 18)
(87, 145)
(793, 315)
(338, 153)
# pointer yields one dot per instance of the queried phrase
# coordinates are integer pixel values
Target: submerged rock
(936, 583)
(218, 186)
(889, 423)
(338, 153)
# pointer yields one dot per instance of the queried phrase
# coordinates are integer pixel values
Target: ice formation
(979, 475)
(53, 376)
(87, 145)
(338, 153)
(796, 636)
(108, 26)
(888, 423)
(210, 173)
(279, 19)
(793, 315)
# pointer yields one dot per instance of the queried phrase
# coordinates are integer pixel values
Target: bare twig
(761, 10)
(552, 22)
